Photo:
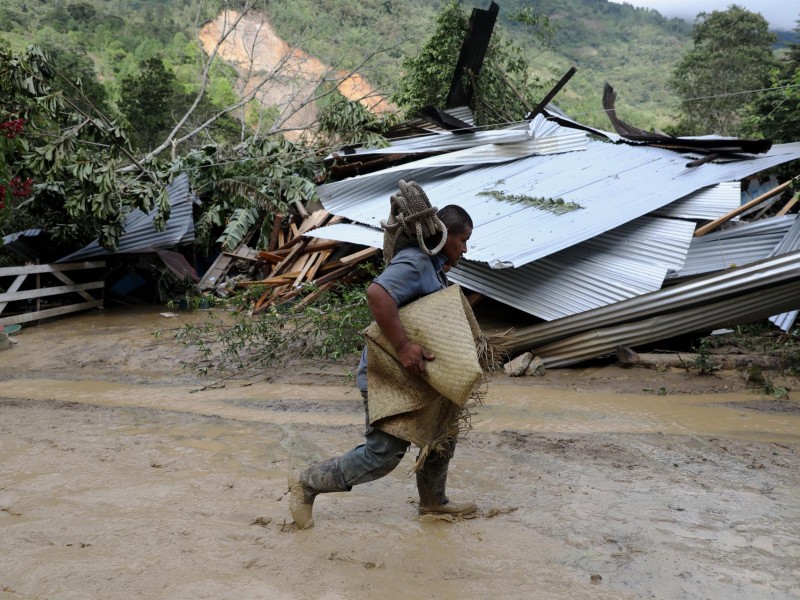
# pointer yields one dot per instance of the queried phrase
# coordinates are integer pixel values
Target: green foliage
(242, 345)
(250, 181)
(239, 223)
(776, 113)
(428, 74)
(556, 206)
(143, 100)
(71, 154)
(731, 57)
(629, 47)
(343, 122)
(504, 90)
(704, 363)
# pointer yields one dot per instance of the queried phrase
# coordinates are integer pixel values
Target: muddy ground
(119, 480)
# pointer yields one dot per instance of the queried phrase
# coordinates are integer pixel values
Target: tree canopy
(503, 89)
(776, 113)
(731, 59)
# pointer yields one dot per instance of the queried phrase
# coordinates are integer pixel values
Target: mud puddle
(115, 485)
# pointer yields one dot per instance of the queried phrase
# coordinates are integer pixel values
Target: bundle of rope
(411, 220)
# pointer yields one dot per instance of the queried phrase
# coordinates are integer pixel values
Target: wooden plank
(323, 256)
(311, 260)
(317, 219)
(789, 205)
(272, 257)
(316, 294)
(262, 300)
(318, 245)
(474, 298)
(276, 227)
(281, 266)
(356, 257)
(222, 264)
(283, 279)
(359, 256)
(245, 253)
(51, 291)
(301, 209)
(215, 272)
(337, 274)
(13, 288)
(264, 304)
(50, 312)
(51, 268)
(64, 279)
(755, 201)
(291, 243)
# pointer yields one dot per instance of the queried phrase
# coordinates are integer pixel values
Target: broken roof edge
(694, 292)
(743, 308)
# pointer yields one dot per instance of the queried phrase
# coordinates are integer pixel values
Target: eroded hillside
(279, 74)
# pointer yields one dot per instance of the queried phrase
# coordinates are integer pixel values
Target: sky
(781, 14)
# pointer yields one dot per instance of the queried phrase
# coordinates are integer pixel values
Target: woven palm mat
(426, 410)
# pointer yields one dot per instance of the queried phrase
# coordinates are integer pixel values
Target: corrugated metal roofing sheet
(623, 263)
(790, 243)
(614, 184)
(539, 132)
(740, 308)
(350, 232)
(700, 293)
(445, 141)
(740, 245)
(140, 233)
(705, 205)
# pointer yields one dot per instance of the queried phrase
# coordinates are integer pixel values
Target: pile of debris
(294, 267)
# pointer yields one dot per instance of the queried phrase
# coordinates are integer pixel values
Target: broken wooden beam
(755, 201)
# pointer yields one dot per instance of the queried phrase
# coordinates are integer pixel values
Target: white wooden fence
(47, 280)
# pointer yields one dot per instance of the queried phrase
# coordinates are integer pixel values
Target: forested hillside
(633, 49)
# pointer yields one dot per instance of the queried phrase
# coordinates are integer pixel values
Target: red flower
(12, 128)
(21, 188)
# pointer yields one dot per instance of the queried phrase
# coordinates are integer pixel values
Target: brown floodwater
(521, 408)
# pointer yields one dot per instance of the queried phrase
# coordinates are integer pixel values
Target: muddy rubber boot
(304, 486)
(431, 482)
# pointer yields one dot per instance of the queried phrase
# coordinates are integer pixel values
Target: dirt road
(117, 480)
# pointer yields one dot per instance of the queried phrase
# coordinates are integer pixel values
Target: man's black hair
(455, 218)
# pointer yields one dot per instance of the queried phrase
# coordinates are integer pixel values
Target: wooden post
(725, 218)
(788, 205)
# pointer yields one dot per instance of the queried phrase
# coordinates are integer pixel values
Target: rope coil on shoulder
(411, 220)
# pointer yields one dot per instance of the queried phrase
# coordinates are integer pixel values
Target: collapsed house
(606, 240)
(55, 282)
(609, 238)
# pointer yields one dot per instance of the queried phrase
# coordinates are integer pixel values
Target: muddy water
(566, 411)
(520, 408)
(117, 481)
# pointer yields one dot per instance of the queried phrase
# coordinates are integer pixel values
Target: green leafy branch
(240, 345)
(556, 206)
